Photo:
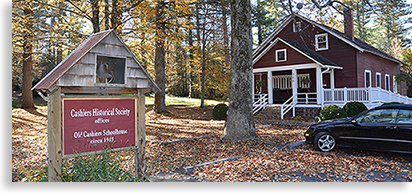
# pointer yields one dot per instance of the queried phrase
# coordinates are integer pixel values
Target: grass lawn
(170, 101)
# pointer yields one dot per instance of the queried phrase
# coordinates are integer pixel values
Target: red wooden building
(303, 66)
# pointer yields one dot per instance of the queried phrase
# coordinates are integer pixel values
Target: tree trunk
(203, 77)
(95, 15)
(191, 52)
(27, 95)
(240, 124)
(159, 66)
(225, 34)
(116, 17)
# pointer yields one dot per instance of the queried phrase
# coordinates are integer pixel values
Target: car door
(374, 129)
(403, 132)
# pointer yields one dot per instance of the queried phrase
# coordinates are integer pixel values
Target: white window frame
(387, 82)
(370, 78)
(297, 26)
(276, 53)
(317, 43)
(395, 85)
(285, 81)
(378, 80)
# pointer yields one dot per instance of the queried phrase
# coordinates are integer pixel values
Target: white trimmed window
(378, 80)
(297, 26)
(395, 85)
(321, 42)
(281, 55)
(368, 78)
(387, 82)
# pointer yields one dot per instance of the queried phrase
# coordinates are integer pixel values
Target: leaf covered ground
(263, 159)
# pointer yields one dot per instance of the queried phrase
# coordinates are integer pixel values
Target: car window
(405, 116)
(379, 116)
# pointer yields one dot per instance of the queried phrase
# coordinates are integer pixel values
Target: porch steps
(269, 113)
(273, 113)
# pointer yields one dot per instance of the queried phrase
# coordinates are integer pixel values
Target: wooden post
(140, 159)
(270, 87)
(54, 159)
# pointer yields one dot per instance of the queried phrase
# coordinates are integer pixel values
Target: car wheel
(324, 142)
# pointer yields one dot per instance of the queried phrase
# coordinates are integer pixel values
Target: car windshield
(379, 116)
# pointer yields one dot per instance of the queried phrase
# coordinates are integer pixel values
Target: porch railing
(287, 106)
(260, 102)
(307, 98)
(369, 96)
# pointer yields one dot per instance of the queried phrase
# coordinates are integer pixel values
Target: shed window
(281, 55)
(321, 42)
(110, 70)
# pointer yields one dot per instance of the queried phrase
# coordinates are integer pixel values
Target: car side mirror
(354, 122)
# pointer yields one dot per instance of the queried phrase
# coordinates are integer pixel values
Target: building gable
(286, 30)
(80, 67)
(296, 53)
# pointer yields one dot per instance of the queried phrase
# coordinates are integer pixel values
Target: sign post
(54, 136)
(87, 111)
(140, 154)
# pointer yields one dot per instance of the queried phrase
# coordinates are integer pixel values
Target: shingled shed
(86, 109)
(79, 72)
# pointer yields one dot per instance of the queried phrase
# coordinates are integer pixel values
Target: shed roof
(52, 77)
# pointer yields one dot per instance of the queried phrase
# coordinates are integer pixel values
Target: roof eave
(265, 42)
(273, 43)
(65, 59)
(307, 56)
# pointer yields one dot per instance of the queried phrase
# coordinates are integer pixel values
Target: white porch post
(332, 78)
(294, 87)
(332, 84)
(319, 85)
(270, 87)
(294, 83)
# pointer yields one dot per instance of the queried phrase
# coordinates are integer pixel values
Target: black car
(384, 128)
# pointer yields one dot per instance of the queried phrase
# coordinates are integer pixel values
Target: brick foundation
(309, 112)
(274, 113)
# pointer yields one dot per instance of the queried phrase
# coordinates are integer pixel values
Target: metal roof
(52, 77)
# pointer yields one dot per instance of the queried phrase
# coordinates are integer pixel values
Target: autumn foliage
(263, 159)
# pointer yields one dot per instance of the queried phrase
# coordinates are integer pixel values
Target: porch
(291, 85)
(371, 97)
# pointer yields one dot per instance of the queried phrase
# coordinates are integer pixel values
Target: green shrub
(332, 112)
(103, 167)
(97, 168)
(354, 108)
(219, 112)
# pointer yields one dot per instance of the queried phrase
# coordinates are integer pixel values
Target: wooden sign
(94, 124)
